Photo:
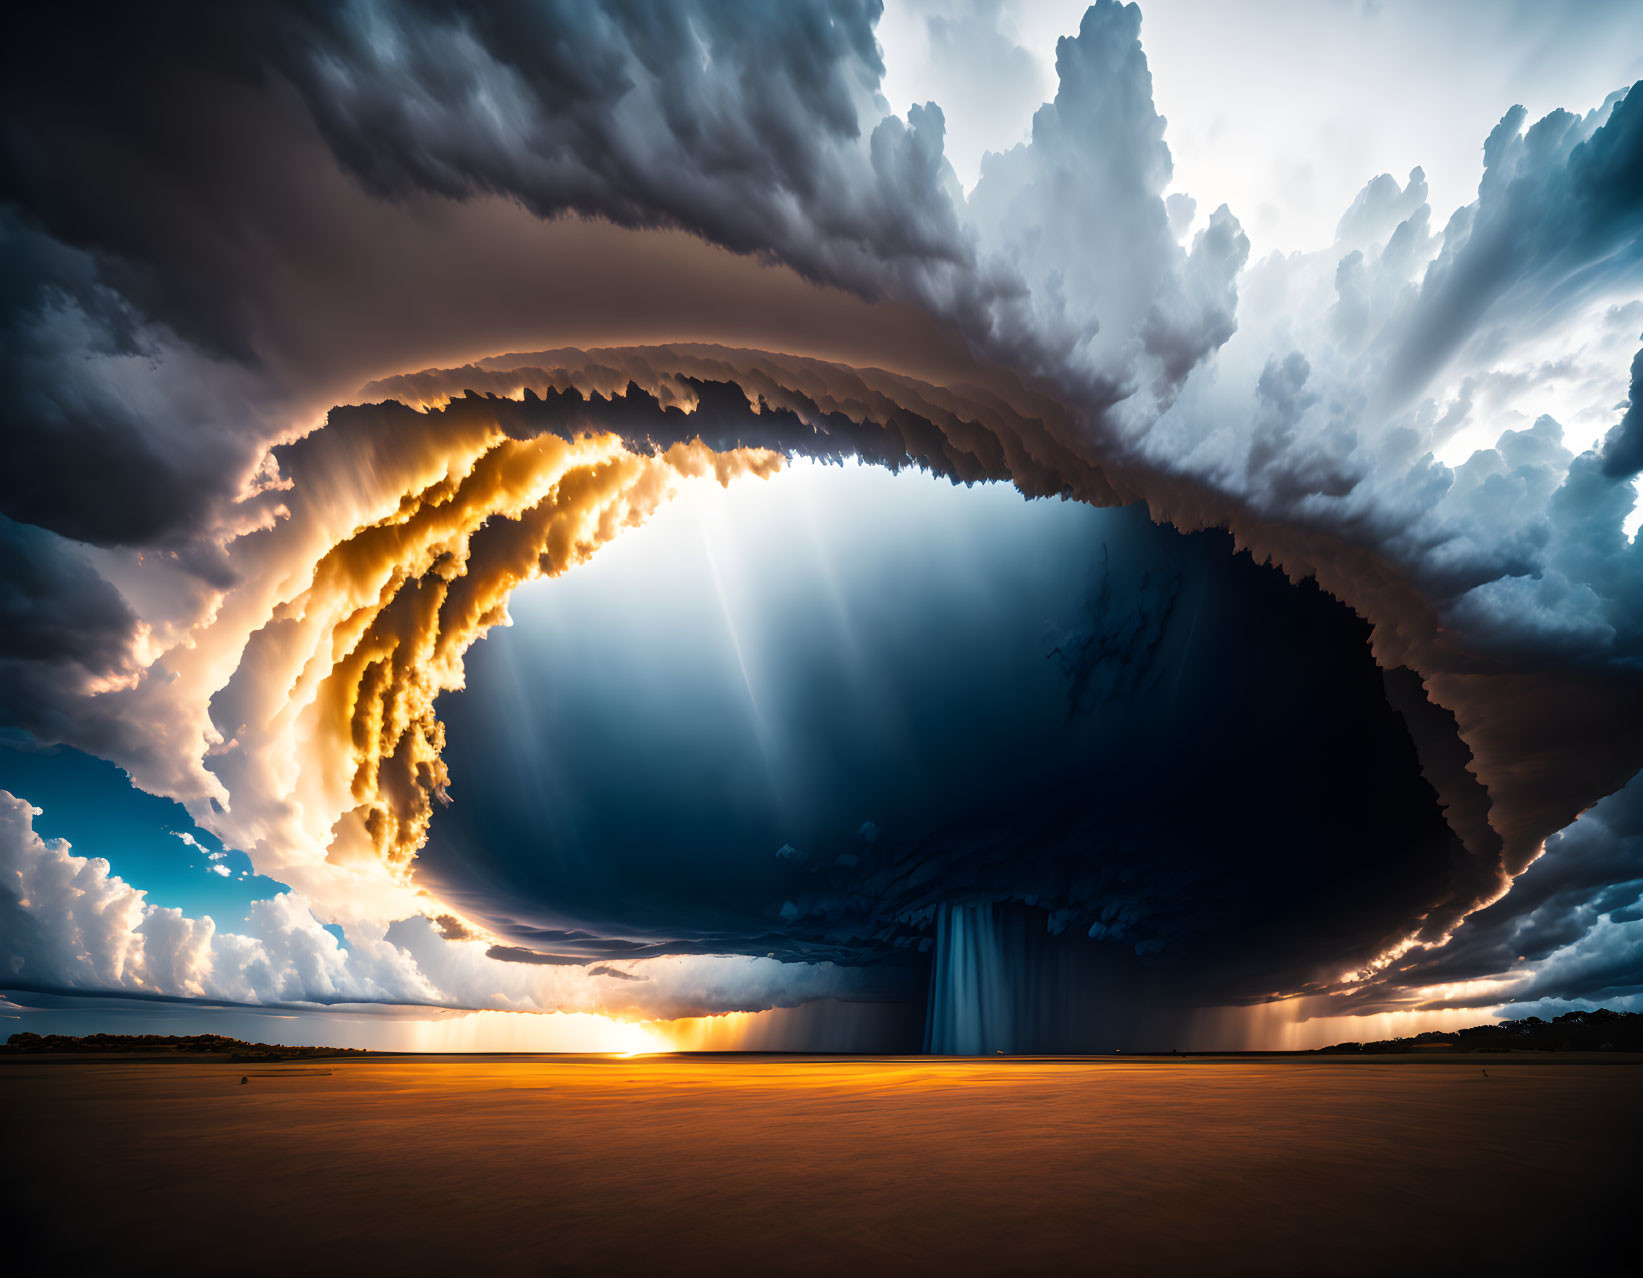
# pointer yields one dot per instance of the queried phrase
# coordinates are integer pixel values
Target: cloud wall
(252, 606)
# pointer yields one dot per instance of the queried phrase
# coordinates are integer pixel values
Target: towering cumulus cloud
(247, 581)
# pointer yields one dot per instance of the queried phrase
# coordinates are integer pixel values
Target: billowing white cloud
(1281, 108)
(67, 922)
(71, 923)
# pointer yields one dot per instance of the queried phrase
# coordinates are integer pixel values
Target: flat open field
(771, 1165)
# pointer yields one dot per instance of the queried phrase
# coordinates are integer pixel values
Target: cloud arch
(381, 547)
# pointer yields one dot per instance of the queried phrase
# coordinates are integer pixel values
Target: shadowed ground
(764, 1165)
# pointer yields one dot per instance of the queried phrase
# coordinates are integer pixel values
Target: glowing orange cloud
(349, 666)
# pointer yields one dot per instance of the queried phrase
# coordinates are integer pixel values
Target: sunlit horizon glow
(1282, 1026)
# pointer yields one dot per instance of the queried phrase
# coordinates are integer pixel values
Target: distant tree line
(210, 1044)
(1599, 1031)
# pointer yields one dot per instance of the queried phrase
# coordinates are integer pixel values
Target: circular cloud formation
(252, 605)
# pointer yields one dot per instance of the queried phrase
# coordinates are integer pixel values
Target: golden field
(816, 1165)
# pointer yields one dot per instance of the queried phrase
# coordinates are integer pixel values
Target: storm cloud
(222, 558)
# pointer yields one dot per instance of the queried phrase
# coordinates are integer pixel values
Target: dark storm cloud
(1570, 922)
(752, 126)
(735, 120)
(758, 128)
(67, 632)
(138, 396)
(57, 608)
(85, 457)
(173, 297)
(615, 973)
(1623, 449)
(514, 954)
